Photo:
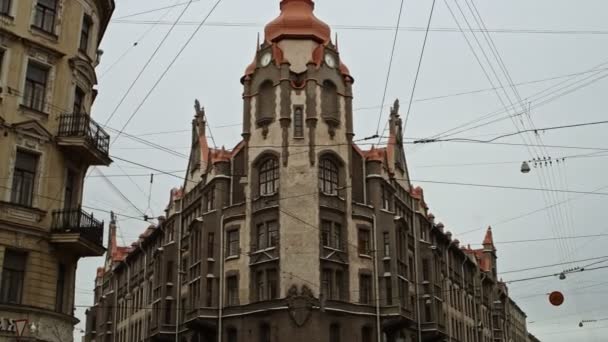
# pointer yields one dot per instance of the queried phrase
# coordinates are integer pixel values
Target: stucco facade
(297, 233)
(48, 52)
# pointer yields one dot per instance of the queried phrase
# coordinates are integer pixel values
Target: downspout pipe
(416, 280)
(179, 268)
(377, 281)
(221, 290)
(449, 294)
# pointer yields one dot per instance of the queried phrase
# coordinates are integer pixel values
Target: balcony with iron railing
(83, 137)
(78, 231)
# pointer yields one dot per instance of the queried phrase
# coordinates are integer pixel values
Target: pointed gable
(33, 129)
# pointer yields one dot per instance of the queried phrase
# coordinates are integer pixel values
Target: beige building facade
(48, 52)
(297, 233)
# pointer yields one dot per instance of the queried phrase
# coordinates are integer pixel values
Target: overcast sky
(540, 41)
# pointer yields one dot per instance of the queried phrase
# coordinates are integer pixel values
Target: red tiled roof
(297, 20)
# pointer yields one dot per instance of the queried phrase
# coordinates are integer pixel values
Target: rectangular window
(273, 284)
(326, 283)
(44, 18)
(337, 236)
(326, 233)
(13, 273)
(59, 300)
(168, 311)
(259, 278)
(386, 243)
(365, 289)
(210, 244)
(35, 86)
(78, 101)
(70, 201)
(261, 242)
(389, 290)
(210, 196)
(273, 233)
(232, 249)
(425, 270)
(267, 235)
(298, 122)
(85, 33)
(24, 176)
(364, 241)
(5, 7)
(386, 198)
(232, 286)
(339, 288)
(209, 296)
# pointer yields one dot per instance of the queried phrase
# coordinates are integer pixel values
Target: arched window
(329, 100)
(266, 101)
(269, 176)
(334, 333)
(328, 176)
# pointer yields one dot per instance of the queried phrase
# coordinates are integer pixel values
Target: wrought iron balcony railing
(78, 221)
(82, 126)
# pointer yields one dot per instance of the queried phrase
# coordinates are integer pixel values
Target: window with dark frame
(231, 335)
(59, 300)
(364, 241)
(70, 199)
(232, 241)
(13, 274)
(265, 332)
(386, 198)
(232, 295)
(24, 177)
(5, 7)
(298, 122)
(366, 334)
(326, 283)
(334, 333)
(267, 284)
(365, 289)
(267, 235)
(209, 293)
(269, 177)
(210, 198)
(210, 244)
(85, 33)
(35, 86)
(386, 242)
(331, 234)
(389, 290)
(78, 101)
(168, 311)
(328, 176)
(44, 17)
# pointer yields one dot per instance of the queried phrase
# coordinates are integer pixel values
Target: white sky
(211, 66)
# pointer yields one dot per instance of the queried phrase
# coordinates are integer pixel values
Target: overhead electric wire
(535, 131)
(166, 70)
(145, 66)
(135, 44)
(426, 35)
(375, 27)
(154, 10)
(390, 65)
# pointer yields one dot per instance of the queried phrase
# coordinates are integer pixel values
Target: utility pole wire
(162, 76)
(426, 34)
(390, 65)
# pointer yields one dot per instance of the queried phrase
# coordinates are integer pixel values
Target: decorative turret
(297, 21)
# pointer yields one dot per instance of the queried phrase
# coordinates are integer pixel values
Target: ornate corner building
(48, 52)
(297, 233)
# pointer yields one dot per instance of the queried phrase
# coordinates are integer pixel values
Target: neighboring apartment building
(297, 234)
(48, 52)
